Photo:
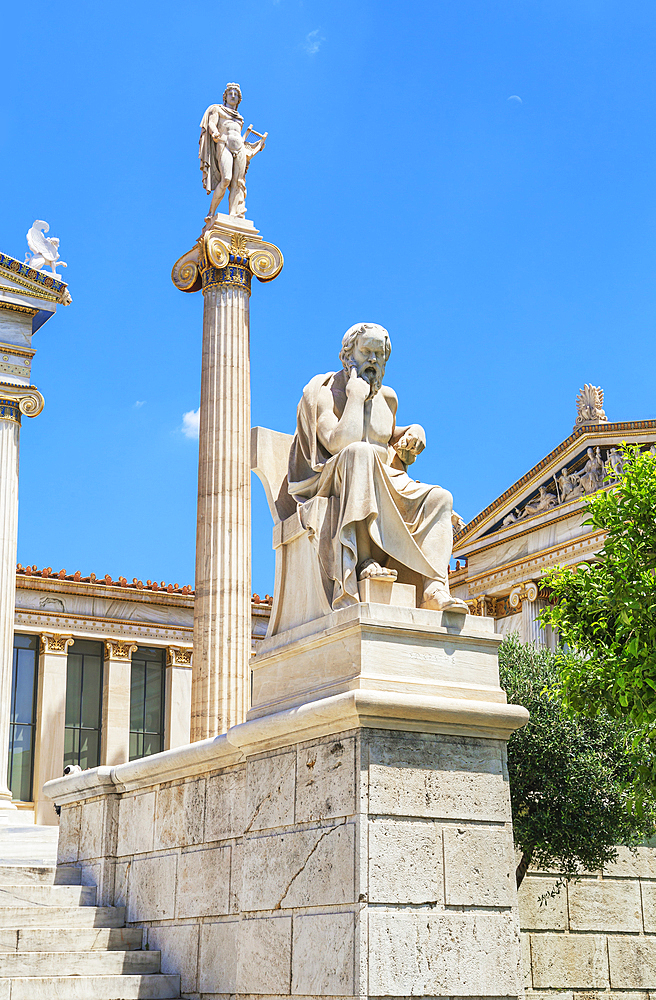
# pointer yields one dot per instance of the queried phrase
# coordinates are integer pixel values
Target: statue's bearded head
(366, 347)
(232, 95)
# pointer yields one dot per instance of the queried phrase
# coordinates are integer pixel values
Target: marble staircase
(56, 943)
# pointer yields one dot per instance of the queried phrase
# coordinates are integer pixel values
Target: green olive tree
(606, 610)
(571, 778)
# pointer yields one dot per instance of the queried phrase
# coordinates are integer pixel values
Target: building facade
(538, 523)
(101, 675)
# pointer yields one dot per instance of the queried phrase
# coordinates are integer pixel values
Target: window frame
(142, 733)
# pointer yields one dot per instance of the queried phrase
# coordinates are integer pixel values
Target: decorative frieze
(52, 642)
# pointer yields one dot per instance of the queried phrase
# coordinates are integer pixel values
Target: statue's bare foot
(438, 598)
(369, 569)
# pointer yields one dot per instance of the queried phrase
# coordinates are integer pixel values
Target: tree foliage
(571, 778)
(606, 611)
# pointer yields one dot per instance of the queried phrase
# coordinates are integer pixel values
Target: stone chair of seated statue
(347, 511)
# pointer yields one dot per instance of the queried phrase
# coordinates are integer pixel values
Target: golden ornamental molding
(14, 307)
(52, 642)
(179, 656)
(119, 649)
(20, 352)
(30, 292)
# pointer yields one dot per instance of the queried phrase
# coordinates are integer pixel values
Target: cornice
(534, 560)
(28, 277)
(576, 507)
(55, 585)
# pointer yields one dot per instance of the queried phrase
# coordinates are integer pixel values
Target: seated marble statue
(347, 473)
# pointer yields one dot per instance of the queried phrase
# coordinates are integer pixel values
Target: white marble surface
(222, 607)
(9, 444)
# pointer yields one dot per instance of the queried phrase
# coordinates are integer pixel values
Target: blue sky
(477, 176)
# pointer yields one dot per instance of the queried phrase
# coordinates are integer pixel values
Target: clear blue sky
(508, 245)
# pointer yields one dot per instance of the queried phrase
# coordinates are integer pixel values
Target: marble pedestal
(352, 838)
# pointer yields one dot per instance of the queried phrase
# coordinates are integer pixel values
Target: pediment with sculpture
(588, 460)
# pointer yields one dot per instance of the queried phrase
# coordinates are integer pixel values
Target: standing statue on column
(224, 153)
(347, 473)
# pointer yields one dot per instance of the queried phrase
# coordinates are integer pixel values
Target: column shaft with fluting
(223, 262)
(9, 439)
(223, 572)
(14, 400)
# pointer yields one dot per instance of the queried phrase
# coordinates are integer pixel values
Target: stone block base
(354, 845)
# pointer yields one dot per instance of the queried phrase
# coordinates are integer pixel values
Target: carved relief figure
(544, 501)
(614, 463)
(512, 517)
(225, 154)
(43, 250)
(347, 472)
(569, 485)
(592, 476)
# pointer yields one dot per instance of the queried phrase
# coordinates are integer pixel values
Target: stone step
(155, 987)
(61, 916)
(43, 875)
(47, 895)
(35, 846)
(79, 963)
(71, 939)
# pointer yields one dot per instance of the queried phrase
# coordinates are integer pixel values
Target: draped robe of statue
(408, 522)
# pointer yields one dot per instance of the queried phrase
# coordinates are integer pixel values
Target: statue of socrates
(347, 473)
(224, 154)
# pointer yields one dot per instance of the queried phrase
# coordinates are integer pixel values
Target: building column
(177, 698)
(223, 262)
(115, 735)
(14, 401)
(50, 721)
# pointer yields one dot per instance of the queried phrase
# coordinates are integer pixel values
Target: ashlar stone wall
(372, 862)
(597, 937)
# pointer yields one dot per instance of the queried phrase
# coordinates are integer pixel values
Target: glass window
(147, 702)
(83, 703)
(22, 719)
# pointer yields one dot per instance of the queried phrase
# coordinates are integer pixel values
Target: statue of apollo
(347, 473)
(224, 153)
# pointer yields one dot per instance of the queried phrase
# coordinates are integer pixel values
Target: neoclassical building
(538, 522)
(101, 674)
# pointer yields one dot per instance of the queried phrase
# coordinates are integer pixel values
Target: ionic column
(526, 598)
(223, 262)
(177, 701)
(14, 401)
(115, 736)
(50, 721)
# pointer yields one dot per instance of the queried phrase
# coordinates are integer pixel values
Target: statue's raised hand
(413, 439)
(357, 387)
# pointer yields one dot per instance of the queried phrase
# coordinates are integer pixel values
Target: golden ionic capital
(119, 649)
(527, 591)
(52, 642)
(178, 656)
(225, 258)
(18, 399)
